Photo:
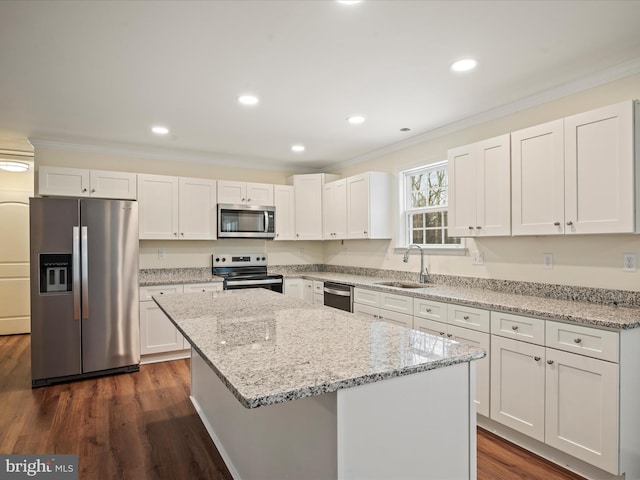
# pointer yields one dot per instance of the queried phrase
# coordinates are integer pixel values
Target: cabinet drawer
(527, 329)
(469, 317)
(429, 326)
(147, 292)
(366, 297)
(366, 311)
(592, 342)
(318, 287)
(430, 310)
(202, 287)
(401, 319)
(396, 303)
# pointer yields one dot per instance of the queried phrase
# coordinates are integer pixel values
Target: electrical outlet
(161, 254)
(301, 252)
(547, 261)
(346, 250)
(629, 262)
(477, 258)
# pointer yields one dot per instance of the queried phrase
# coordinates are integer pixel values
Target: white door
(14, 263)
(284, 202)
(121, 185)
(537, 162)
(72, 182)
(157, 333)
(340, 210)
(308, 193)
(483, 366)
(599, 170)
(232, 192)
(260, 194)
(158, 207)
(582, 408)
(328, 210)
(517, 385)
(358, 206)
(463, 185)
(197, 207)
(493, 216)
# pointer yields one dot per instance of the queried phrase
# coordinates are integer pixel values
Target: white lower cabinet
(307, 290)
(389, 307)
(157, 333)
(202, 287)
(318, 292)
(567, 400)
(293, 287)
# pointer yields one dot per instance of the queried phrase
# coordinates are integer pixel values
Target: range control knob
(224, 259)
(217, 259)
(264, 258)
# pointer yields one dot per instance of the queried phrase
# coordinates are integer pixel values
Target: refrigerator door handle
(85, 274)
(76, 273)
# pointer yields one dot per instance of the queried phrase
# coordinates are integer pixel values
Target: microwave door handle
(76, 273)
(266, 222)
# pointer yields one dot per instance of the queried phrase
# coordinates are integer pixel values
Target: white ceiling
(103, 73)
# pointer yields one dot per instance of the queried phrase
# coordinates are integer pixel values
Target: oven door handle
(341, 293)
(268, 281)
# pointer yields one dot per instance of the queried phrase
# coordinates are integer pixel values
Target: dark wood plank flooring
(143, 426)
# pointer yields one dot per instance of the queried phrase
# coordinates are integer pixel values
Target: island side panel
(414, 426)
(291, 440)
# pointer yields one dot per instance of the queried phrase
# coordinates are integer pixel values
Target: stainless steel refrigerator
(84, 288)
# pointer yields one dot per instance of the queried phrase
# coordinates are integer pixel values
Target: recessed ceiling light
(356, 119)
(348, 2)
(463, 65)
(11, 166)
(297, 148)
(160, 130)
(248, 99)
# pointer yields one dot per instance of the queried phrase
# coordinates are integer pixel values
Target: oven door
(274, 284)
(246, 221)
(338, 296)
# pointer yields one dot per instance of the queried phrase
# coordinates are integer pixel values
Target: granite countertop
(268, 348)
(589, 314)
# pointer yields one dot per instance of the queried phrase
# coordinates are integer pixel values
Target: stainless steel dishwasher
(338, 295)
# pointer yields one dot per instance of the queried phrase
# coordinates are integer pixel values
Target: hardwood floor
(143, 426)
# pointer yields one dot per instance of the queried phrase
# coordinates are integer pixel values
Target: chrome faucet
(423, 272)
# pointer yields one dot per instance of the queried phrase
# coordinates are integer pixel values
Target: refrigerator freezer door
(55, 335)
(110, 331)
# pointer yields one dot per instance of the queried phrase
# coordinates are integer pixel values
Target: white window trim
(402, 242)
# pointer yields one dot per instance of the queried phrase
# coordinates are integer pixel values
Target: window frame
(404, 234)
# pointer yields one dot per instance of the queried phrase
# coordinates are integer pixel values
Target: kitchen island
(339, 396)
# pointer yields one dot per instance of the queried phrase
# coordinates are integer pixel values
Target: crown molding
(617, 72)
(166, 154)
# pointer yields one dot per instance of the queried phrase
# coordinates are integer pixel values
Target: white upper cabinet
(537, 172)
(308, 211)
(480, 189)
(284, 200)
(77, 182)
(334, 210)
(176, 207)
(243, 193)
(600, 170)
(368, 205)
(576, 175)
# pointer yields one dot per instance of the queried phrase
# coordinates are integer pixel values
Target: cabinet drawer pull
(470, 227)
(514, 327)
(449, 335)
(569, 223)
(577, 340)
(536, 358)
(556, 224)
(248, 200)
(466, 317)
(442, 334)
(84, 189)
(478, 227)
(428, 310)
(550, 362)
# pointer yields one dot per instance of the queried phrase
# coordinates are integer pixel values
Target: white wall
(593, 261)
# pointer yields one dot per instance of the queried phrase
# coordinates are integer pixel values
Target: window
(425, 206)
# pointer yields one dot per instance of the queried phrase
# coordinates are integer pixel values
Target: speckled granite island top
(268, 348)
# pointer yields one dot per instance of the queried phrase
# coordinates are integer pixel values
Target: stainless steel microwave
(246, 221)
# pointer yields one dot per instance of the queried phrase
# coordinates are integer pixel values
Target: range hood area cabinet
(176, 208)
(479, 189)
(78, 182)
(308, 204)
(578, 175)
(245, 193)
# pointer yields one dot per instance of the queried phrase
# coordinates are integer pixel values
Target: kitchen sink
(403, 284)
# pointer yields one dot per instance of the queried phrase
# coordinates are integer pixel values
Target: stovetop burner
(245, 271)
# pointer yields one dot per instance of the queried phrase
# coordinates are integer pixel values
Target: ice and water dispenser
(55, 272)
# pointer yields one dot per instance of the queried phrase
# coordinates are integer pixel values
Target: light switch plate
(547, 261)
(477, 258)
(629, 262)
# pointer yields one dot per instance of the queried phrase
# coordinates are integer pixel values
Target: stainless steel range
(246, 271)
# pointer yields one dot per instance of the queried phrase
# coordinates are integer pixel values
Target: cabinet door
(260, 194)
(493, 216)
(537, 163)
(430, 326)
(73, 182)
(308, 193)
(157, 333)
(328, 210)
(203, 287)
(340, 210)
(284, 201)
(232, 192)
(197, 209)
(366, 297)
(599, 170)
(158, 207)
(463, 184)
(430, 310)
(582, 408)
(293, 287)
(401, 319)
(517, 385)
(121, 185)
(307, 290)
(396, 303)
(483, 366)
(366, 311)
(358, 213)
(469, 317)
